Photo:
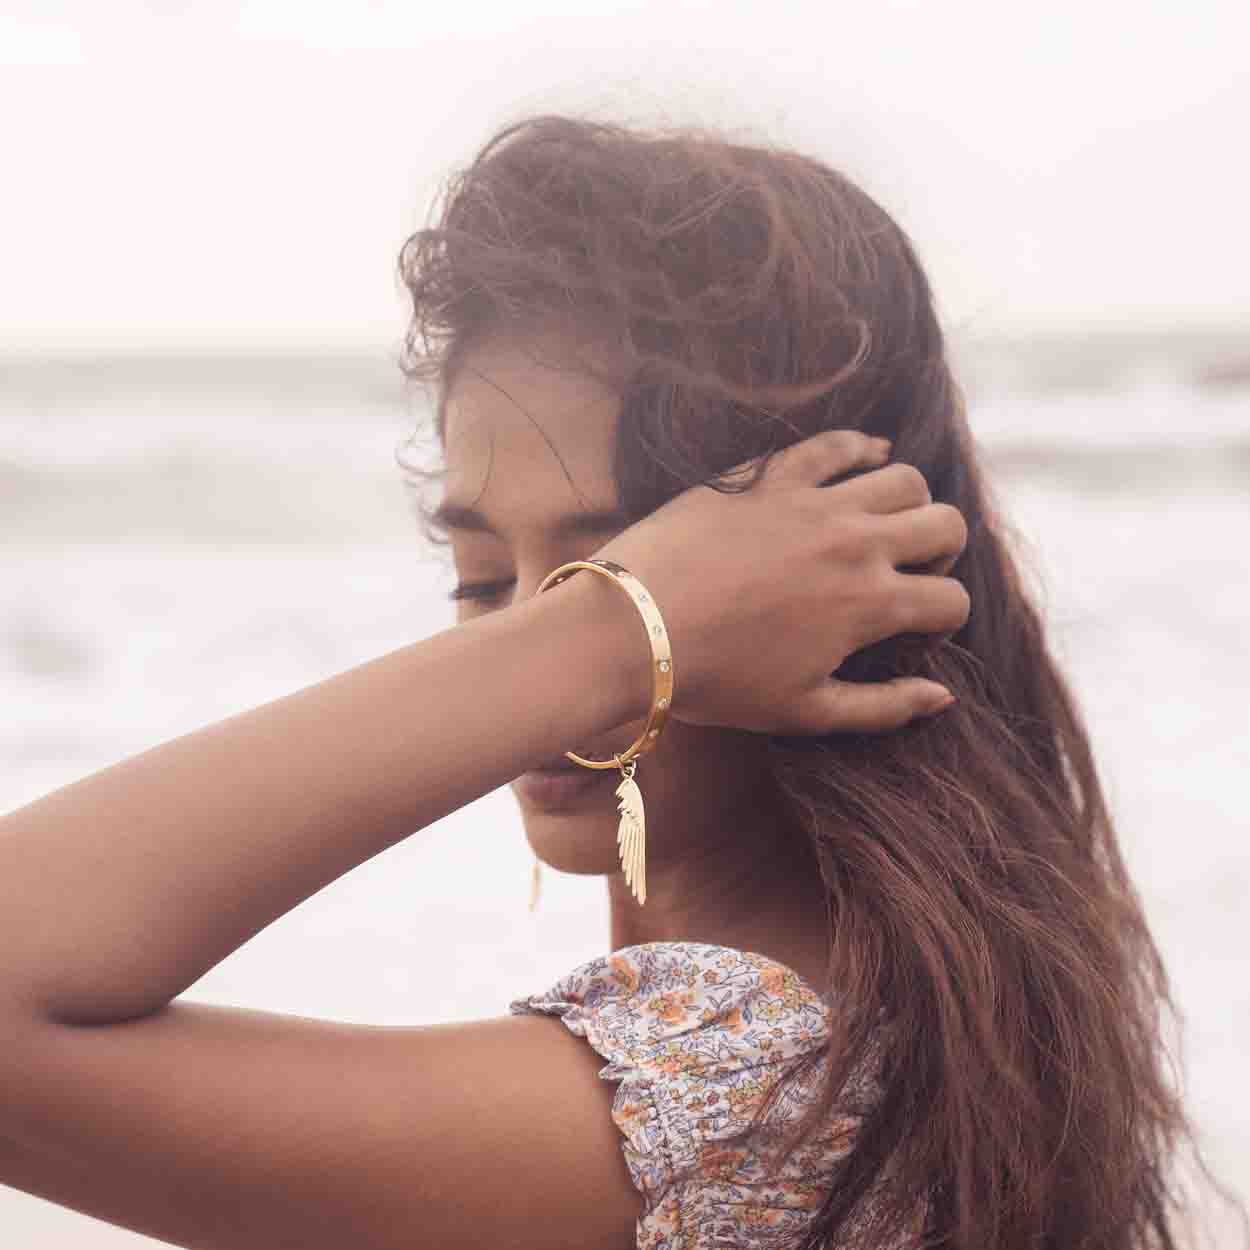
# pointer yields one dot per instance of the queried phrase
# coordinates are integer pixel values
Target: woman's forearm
(120, 890)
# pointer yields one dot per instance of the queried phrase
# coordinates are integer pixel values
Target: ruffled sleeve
(697, 1035)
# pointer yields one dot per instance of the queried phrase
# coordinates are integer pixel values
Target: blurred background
(201, 510)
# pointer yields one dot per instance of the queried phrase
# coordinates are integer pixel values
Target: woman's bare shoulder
(228, 1129)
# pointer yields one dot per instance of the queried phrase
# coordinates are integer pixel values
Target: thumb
(870, 707)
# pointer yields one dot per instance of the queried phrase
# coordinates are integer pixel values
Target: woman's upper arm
(227, 1129)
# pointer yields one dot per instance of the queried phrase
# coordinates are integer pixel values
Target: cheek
(688, 766)
(707, 764)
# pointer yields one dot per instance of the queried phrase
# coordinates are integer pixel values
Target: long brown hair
(982, 919)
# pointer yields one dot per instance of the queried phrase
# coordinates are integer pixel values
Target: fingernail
(942, 704)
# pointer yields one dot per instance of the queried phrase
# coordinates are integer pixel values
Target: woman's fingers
(868, 707)
(933, 535)
(828, 454)
(894, 488)
(925, 604)
(766, 592)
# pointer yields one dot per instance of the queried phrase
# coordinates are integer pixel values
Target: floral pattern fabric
(697, 1035)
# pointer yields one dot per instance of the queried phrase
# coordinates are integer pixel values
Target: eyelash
(479, 590)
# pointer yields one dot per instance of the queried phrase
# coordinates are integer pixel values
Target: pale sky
(216, 175)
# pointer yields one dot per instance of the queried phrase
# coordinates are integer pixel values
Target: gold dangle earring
(535, 882)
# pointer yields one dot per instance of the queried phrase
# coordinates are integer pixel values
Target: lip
(560, 787)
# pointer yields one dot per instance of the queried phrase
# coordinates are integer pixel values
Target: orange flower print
(774, 980)
(761, 1217)
(665, 1219)
(770, 1009)
(624, 973)
(720, 1163)
(800, 1195)
(745, 1099)
(671, 1007)
(629, 1114)
(714, 1067)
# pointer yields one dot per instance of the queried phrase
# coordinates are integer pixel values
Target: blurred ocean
(185, 538)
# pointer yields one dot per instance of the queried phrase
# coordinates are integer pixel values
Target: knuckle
(966, 604)
(843, 444)
(844, 436)
(888, 593)
(814, 452)
(854, 538)
(800, 457)
(899, 609)
(955, 611)
(954, 519)
(811, 511)
(911, 480)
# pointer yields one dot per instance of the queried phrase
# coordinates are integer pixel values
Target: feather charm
(631, 836)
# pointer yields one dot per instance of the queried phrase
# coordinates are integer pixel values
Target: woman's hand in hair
(765, 592)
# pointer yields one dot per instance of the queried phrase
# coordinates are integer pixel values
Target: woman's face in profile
(529, 448)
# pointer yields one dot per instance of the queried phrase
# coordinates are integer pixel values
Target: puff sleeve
(697, 1035)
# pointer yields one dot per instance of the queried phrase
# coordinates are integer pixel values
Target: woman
(879, 977)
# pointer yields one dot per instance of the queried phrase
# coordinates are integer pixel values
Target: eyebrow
(452, 515)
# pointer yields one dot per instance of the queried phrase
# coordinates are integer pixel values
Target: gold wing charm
(631, 837)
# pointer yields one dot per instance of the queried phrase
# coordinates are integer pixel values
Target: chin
(585, 847)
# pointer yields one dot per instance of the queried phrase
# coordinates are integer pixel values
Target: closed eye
(480, 590)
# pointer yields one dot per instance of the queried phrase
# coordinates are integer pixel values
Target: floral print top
(697, 1034)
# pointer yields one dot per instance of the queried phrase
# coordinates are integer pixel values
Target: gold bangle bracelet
(631, 832)
(662, 656)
